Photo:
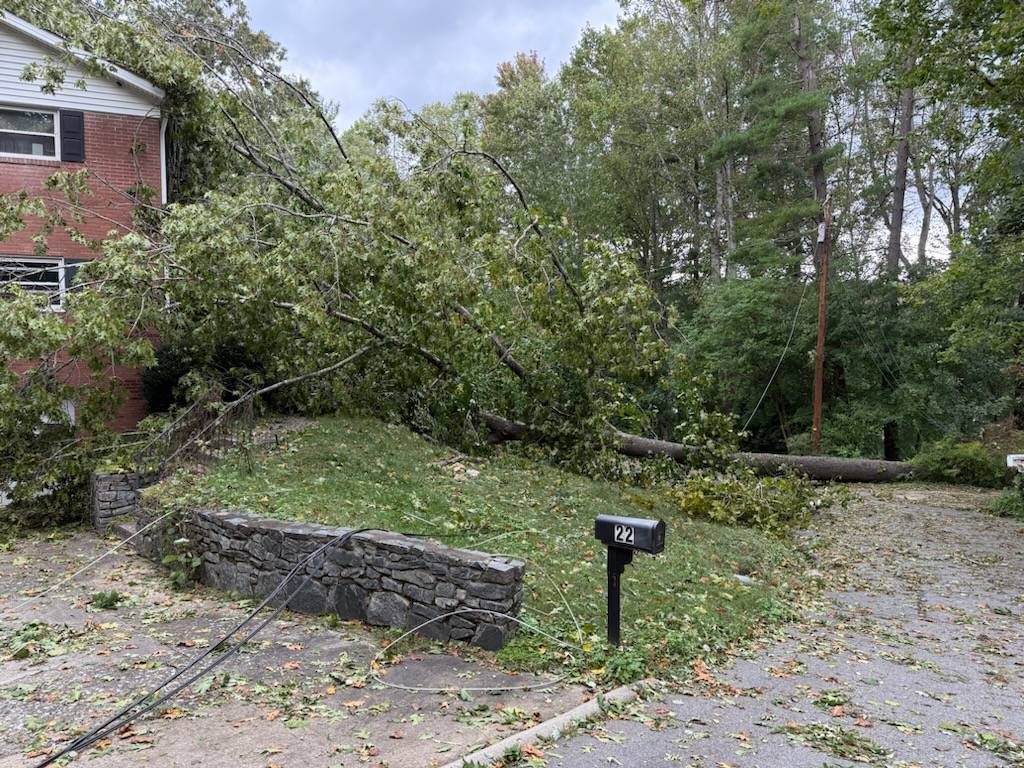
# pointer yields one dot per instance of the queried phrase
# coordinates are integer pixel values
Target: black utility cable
(93, 736)
(115, 722)
(125, 716)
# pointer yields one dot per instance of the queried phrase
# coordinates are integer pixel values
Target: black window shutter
(72, 136)
(71, 267)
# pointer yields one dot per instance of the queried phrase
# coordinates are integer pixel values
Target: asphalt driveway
(914, 655)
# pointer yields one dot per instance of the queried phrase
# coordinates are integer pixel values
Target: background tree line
(704, 138)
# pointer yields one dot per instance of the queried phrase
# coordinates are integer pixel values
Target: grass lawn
(680, 605)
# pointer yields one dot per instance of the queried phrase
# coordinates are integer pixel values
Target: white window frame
(68, 406)
(56, 132)
(61, 285)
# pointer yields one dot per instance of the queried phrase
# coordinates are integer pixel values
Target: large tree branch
(534, 225)
(503, 429)
(504, 353)
(826, 468)
(821, 468)
(311, 375)
(273, 73)
(291, 186)
(377, 333)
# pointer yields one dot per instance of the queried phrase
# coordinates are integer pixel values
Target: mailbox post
(623, 536)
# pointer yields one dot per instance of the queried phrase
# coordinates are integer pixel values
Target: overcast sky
(357, 51)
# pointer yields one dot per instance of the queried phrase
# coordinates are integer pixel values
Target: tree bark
(718, 253)
(730, 224)
(957, 226)
(500, 347)
(824, 468)
(815, 467)
(815, 127)
(894, 254)
(925, 193)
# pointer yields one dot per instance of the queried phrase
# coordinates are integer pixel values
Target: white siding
(101, 94)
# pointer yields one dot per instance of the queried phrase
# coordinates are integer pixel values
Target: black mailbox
(630, 533)
(623, 536)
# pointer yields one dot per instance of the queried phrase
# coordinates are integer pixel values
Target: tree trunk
(894, 254)
(925, 193)
(1018, 408)
(954, 196)
(821, 468)
(825, 468)
(890, 441)
(655, 276)
(814, 467)
(815, 128)
(695, 246)
(730, 223)
(718, 249)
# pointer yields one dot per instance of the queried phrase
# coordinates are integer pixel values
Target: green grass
(679, 605)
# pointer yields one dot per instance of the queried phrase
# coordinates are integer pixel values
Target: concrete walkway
(301, 698)
(915, 656)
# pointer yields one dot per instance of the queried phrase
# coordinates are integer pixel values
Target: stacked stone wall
(114, 495)
(385, 579)
(381, 578)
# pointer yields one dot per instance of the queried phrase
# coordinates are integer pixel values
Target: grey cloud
(355, 51)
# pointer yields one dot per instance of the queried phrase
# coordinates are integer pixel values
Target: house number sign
(623, 534)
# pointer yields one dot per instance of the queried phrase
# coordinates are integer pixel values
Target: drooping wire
(90, 564)
(130, 712)
(374, 663)
(789, 341)
(142, 704)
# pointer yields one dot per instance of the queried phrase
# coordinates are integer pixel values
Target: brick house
(110, 124)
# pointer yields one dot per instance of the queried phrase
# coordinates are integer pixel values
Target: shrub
(772, 504)
(948, 461)
(1011, 501)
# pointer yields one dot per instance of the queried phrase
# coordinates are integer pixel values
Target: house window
(47, 277)
(28, 132)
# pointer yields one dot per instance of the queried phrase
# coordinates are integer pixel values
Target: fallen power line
(145, 703)
(140, 707)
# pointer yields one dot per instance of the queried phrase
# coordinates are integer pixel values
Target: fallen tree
(828, 467)
(822, 468)
(445, 154)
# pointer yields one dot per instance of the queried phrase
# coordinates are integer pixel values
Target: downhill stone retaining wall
(382, 578)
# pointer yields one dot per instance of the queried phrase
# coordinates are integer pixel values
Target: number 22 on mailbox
(623, 534)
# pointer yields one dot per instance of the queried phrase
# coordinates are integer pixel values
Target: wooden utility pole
(821, 254)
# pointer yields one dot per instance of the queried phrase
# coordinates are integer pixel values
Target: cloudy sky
(356, 51)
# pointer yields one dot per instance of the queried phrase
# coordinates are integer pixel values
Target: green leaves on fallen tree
(772, 504)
